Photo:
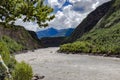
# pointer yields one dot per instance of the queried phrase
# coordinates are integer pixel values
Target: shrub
(4, 52)
(100, 41)
(12, 45)
(22, 71)
(79, 46)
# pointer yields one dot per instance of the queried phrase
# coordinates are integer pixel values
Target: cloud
(67, 18)
(69, 13)
(72, 14)
(28, 25)
(88, 5)
(84, 6)
(55, 3)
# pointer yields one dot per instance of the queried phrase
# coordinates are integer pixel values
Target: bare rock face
(20, 35)
(89, 22)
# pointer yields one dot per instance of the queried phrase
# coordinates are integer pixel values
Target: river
(57, 66)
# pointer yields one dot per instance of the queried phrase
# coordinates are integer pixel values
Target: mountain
(47, 32)
(69, 32)
(99, 32)
(64, 32)
(89, 22)
(13, 35)
(51, 32)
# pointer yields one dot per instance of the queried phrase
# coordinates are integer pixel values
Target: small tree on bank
(27, 10)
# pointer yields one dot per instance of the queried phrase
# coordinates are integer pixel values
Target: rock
(34, 78)
(37, 77)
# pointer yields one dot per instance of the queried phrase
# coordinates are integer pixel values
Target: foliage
(7, 45)
(28, 10)
(104, 37)
(9, 60)
(22, 69)
(105, 40)
(4, 52)
(12, 45)
(112, 17)
(76, 47)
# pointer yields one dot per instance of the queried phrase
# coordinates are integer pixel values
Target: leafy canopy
(28, 10)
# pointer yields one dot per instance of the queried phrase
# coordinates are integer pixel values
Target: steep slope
(69, 32)
(89, 22)
(20, 35)
(112, 17)
(104, 38)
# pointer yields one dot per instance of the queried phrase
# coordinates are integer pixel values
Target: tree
(27, 10)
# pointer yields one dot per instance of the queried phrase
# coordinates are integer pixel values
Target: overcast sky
(69, 13)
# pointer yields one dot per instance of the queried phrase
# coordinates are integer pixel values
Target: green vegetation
(22, 71)
(28, 11)
(98, 41)
(8, 46)
(20, 35)
(104, 38)
(9, 60)
(76, 47)
(12, 45)
(32, 10)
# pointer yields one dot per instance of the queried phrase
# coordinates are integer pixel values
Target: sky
(68, 13)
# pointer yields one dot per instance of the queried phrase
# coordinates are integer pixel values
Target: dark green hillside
(112, 17)
(89, 22)
(104, 38)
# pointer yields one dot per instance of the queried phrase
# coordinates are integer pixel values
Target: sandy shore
(56, 66)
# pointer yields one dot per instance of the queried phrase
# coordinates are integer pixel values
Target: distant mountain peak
(52, 32)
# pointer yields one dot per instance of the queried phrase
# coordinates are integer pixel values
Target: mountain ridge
(52, 32)
(102, 39)
(89, 22)
(20, 35)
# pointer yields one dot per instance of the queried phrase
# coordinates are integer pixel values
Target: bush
(99, 41)
(7, 45)
(12, 45)
(78, 46)
(22, 71)
(4, 52)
